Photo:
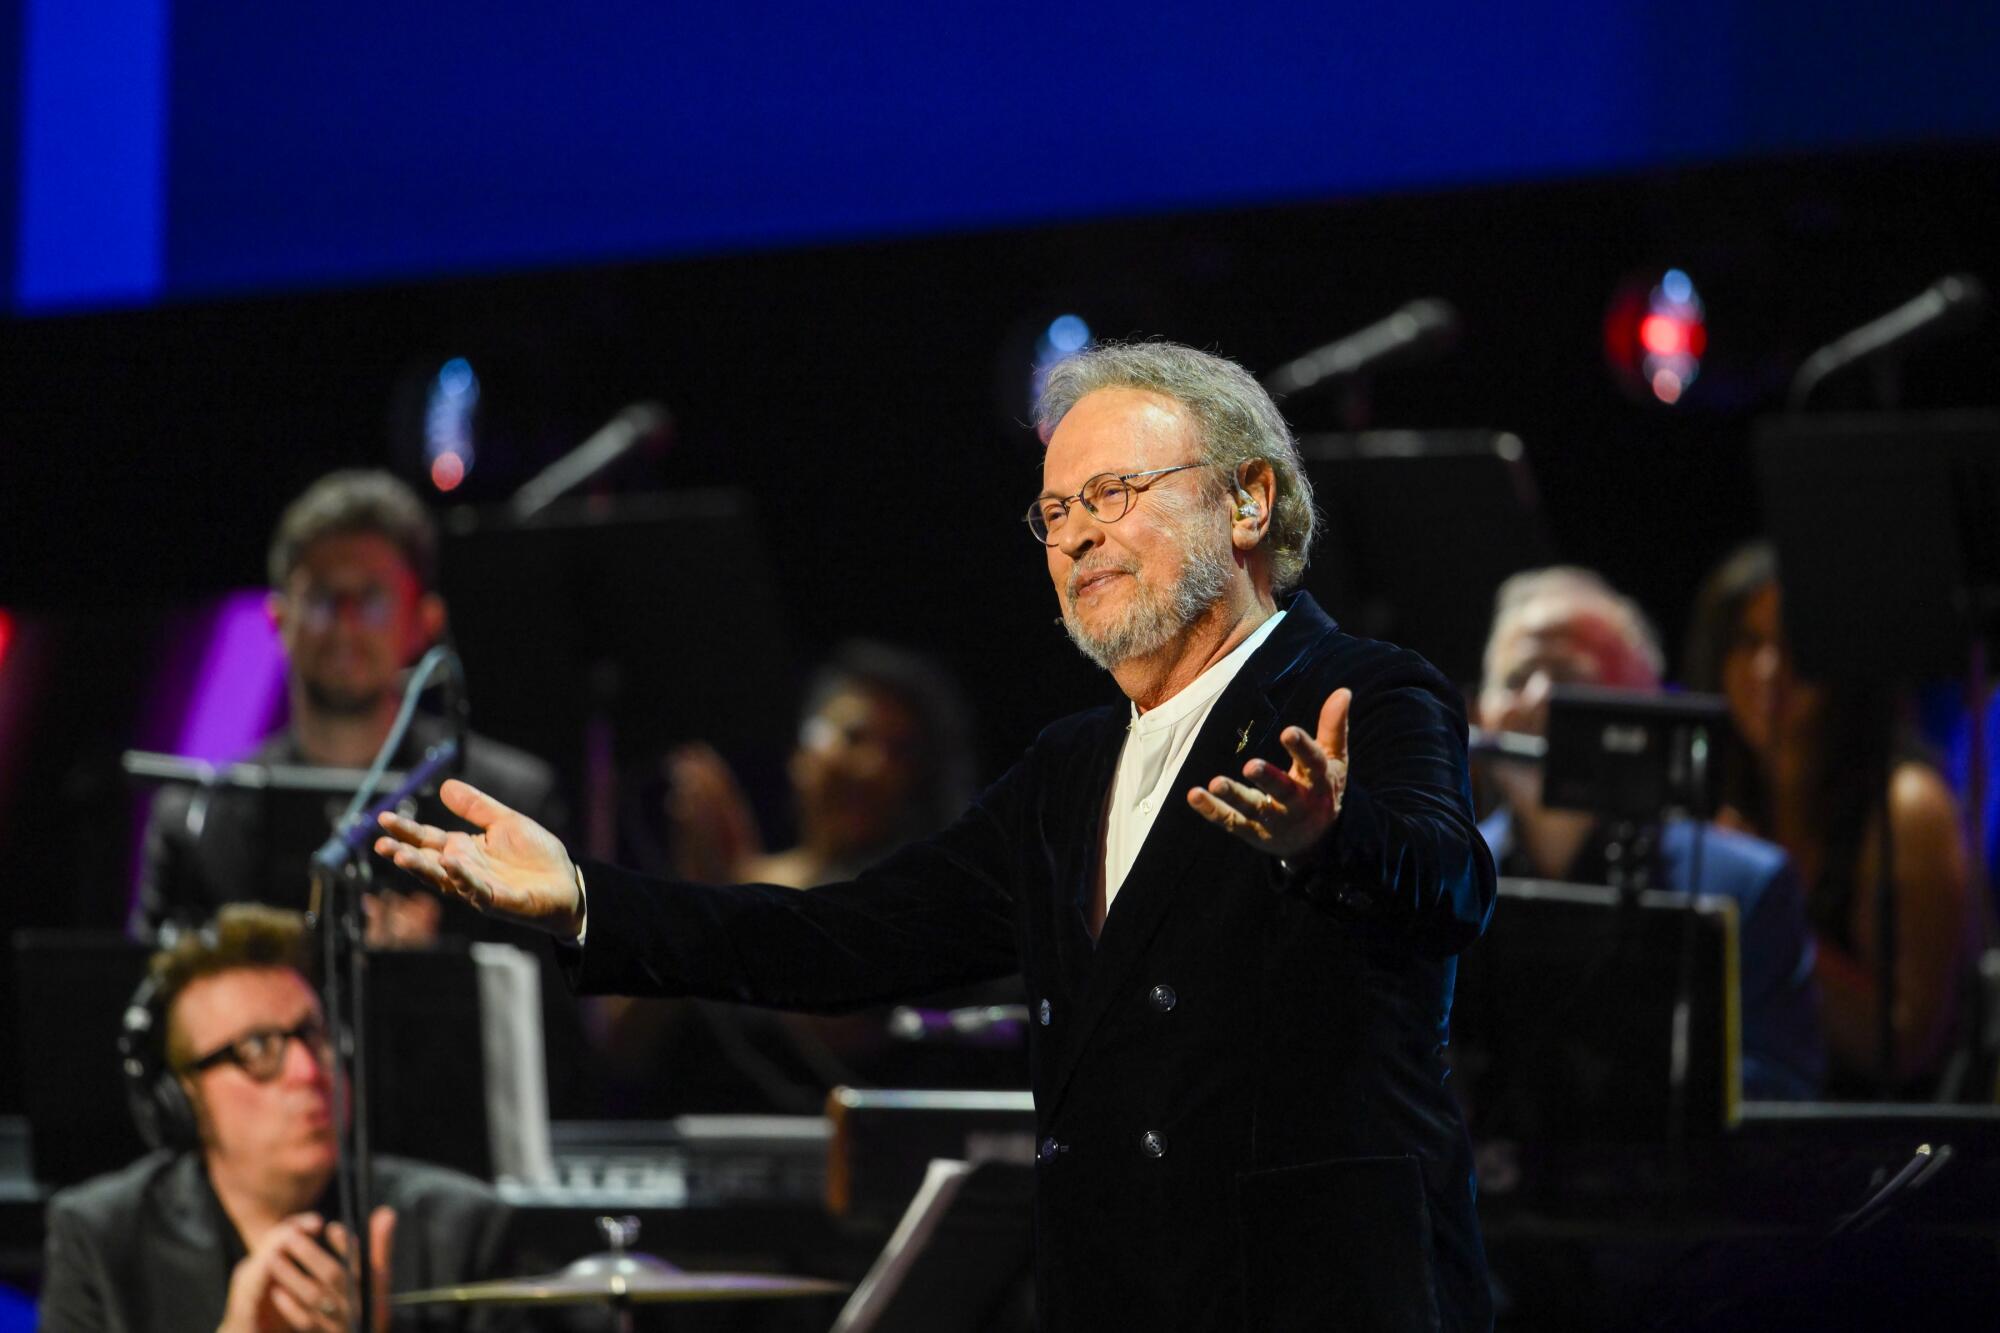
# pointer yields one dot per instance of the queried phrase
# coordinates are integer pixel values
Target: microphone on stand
(1951, 304)
(1422, 329)
(612, 441)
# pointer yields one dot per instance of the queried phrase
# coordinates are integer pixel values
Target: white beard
(1156, 615)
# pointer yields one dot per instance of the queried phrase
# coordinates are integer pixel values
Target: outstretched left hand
(1279, 811)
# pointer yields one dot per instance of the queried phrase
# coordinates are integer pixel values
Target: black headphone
(159, 1104)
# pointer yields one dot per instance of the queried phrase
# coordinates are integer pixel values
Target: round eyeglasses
(1109, 496)
(260, 1052)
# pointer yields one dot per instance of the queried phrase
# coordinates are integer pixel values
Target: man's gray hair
(1581, 585)
(1235, 421)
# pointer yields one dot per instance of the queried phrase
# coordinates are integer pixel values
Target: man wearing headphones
(228, 1224)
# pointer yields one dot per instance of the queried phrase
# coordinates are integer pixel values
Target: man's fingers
(381, 1237)
(1244, 797)
(472, 805)
(301, 1314)
(421, 862)
(445, 872)
(287, 1278)
(381, 1244)
(313, 1258)
(1214, 809)
(1332, 731)
(1274, 782)
(1308, 759)
(410, 832)
(1226, 812)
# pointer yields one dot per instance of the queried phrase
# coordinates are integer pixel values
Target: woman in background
(1815, 768)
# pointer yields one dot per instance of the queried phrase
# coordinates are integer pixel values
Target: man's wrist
(1307, 860)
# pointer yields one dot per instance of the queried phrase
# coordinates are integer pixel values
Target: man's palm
(513, 867)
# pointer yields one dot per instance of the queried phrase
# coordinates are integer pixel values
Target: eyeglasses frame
(1035, 509)
(310, 1032)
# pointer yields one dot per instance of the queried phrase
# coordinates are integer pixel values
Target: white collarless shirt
(1157, 743)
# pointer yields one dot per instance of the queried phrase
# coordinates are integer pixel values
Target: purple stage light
(236, 693)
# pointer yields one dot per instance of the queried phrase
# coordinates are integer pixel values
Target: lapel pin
(1243, 738)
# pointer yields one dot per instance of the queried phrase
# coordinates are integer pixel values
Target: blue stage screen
(236, 148)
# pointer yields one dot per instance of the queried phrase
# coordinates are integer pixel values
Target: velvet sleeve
(1405, 852)
(939, 913)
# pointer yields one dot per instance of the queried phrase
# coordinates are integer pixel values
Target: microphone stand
(341, 861)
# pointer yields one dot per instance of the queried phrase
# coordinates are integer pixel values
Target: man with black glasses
(1236, 899)
(229, 1225)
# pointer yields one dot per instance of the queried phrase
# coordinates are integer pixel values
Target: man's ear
(1253, 493)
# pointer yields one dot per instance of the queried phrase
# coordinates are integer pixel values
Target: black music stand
(1635, 759)
(600, 632)
(1569, 999)
(1421, 529)
(277, 813)
(1888, 534)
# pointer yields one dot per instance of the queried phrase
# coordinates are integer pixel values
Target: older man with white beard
(1236, 899)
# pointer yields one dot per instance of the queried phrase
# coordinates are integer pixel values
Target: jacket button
(1047, 1152)
(1043, 1012)
(1162, 998)
(1153, 1143)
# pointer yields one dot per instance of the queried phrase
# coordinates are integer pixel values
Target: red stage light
(6, 636)
(1662, 335)
(447, 470)
(1655, 333)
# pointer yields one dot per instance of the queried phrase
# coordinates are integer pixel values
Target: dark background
(871, 398)
(844, 325)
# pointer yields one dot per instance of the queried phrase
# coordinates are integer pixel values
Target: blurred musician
(229, 1224)
(1816, 766)
(884, 756)
(1567, 626)
(353, 571)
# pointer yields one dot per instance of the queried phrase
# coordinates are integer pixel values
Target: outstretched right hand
(512, 867)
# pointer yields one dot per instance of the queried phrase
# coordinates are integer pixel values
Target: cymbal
(622, 1277)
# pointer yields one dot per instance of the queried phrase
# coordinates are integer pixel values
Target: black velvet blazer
(1239, 1086)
